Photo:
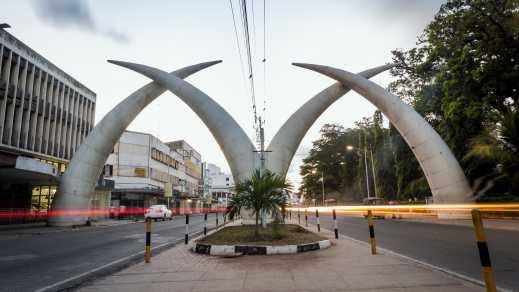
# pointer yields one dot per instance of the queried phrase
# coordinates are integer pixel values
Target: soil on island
(278, 234)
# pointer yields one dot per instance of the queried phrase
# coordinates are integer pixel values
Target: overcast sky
(79, 36)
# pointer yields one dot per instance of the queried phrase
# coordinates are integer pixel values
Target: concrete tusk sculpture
(444, 175)
(232, 139)
(283, 146)
(78, 182)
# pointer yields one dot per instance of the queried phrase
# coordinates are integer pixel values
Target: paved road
(34, 261)
(447, 246)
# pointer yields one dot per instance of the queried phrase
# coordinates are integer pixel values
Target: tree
(262, 192)
(499, 146)
(462, 77)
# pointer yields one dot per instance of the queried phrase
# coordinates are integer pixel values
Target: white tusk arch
(445, 177)
(78, 183)
(284, 145)
(234, 142)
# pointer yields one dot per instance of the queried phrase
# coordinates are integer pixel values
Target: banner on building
(140, 172)
(168, 190)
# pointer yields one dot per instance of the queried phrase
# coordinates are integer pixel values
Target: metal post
(484, 256)
(224, 218)
(317, 217)
(373, 170)
(186, 236)
(205, 223)
(335, 230)
(367, 175)
(147, 250)
(290, 215)
(306, 217)
(322, 185)
(216, 218)
(372, 233)
(298, 216)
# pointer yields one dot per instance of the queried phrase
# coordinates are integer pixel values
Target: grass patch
(282, 234)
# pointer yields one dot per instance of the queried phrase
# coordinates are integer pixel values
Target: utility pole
(262, 165)
(367, 174)
(373, 170)
(322, 184)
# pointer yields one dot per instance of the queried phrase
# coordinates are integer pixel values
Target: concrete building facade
(220, 185)
(144, 168)
(45, 114)
(193, 167)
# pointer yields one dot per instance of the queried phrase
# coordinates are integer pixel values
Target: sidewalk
(346, 266)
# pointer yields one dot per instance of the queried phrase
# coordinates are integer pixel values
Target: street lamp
(322, 182)
(350, 148)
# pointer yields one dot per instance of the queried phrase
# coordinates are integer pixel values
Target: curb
(235, 250)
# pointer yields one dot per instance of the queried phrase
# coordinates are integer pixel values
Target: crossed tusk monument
(444, 175)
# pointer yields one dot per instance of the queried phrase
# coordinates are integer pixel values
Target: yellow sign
(168, 190)
(140, 171)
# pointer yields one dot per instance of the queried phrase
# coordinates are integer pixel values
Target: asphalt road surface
(448, 246)
(33, 261)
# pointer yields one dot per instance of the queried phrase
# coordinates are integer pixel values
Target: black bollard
(335, 225)
(186, 236)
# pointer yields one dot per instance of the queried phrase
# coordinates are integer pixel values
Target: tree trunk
(256, 227)
(264, 219)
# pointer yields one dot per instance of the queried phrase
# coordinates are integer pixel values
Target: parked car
(157, 212)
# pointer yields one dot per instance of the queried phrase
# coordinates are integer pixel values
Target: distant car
(118, 212)
(375, 202)
(157, 212)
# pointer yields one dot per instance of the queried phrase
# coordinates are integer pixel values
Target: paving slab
(346, 266)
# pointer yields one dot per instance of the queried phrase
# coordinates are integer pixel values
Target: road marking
(18, 257)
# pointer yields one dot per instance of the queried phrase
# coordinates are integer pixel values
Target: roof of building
(44, 61)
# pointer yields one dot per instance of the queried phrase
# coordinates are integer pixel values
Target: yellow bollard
(147, 250)
(484, 256)
(372, 233)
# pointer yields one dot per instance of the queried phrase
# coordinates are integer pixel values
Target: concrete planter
(235, 250)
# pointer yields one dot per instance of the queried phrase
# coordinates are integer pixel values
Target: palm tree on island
(264, 192)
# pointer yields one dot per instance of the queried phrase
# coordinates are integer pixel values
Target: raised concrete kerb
(444, 175)
(236, 250)
(78, 183)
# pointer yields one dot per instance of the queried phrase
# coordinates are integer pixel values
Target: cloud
(411, 12)
(74, 13)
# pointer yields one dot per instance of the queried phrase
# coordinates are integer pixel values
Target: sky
(80, 35)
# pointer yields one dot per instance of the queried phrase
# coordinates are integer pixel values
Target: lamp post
(365, 152)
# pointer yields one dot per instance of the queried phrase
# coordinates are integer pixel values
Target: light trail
(134, 211)
(430, 210)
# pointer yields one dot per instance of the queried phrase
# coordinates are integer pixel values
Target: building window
(42, 198)
(109, 170)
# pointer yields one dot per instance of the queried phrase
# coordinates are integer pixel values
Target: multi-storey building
(144, 168)
(45, 114)
(220, 185)
(193, 165)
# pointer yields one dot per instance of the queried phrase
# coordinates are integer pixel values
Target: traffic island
(275, 239)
